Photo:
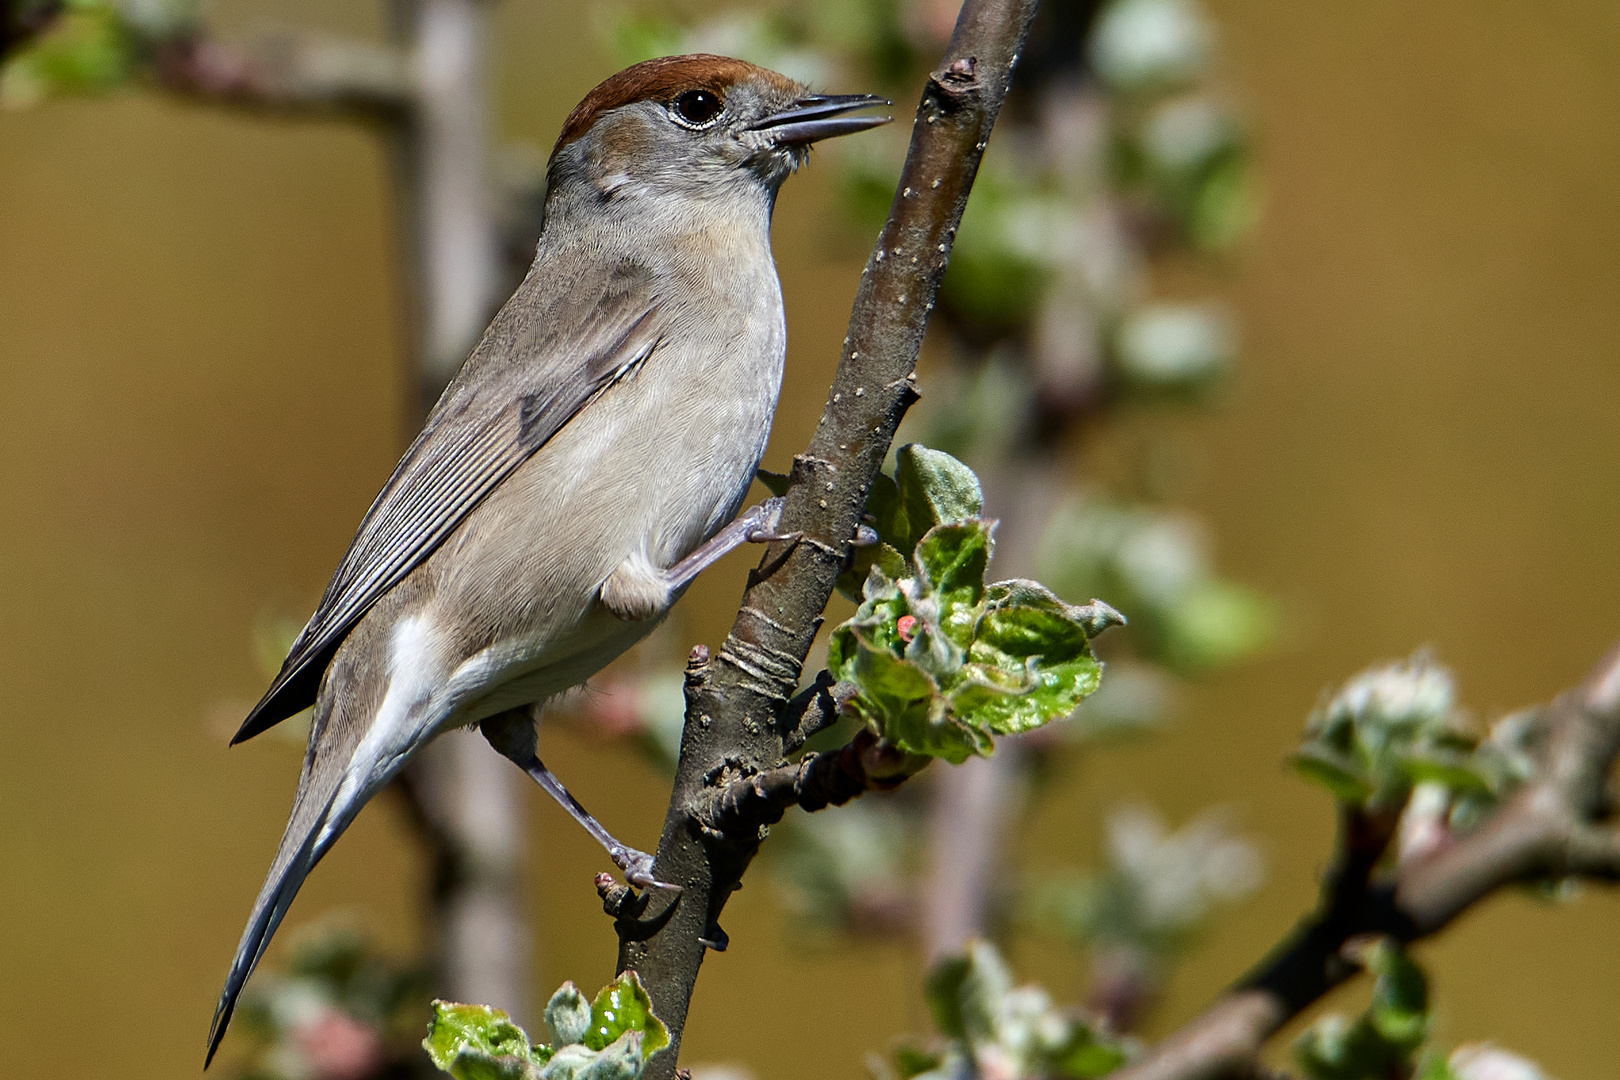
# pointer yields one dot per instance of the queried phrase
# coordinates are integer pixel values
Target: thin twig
(289, 72)
(734, 704)
(1551, 827)
(813, 710)
(815, 782)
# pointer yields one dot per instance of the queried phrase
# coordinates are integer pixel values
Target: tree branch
(734, 705)
(289, 72)
(1551, 827)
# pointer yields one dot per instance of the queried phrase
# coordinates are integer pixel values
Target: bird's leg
(637, 590)
(637, 865)
(757, 525)
(513, 734)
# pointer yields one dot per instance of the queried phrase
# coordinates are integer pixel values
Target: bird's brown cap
(664, 79)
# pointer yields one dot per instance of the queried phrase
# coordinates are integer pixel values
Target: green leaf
(1331, 771)
(1049, 693)
(934, 489)
(882, 556)
(622, 1006)
(965, 993)
(1385, 1039)
(476, 1042)
(951, 562)
(1030, 661)
(898, 699)
(910, 1061)
(1400, 1007)
(1434, 1067)
(941, 660)
(943, 992)
(1086, 1058)
(1458, 774)
(929, 488)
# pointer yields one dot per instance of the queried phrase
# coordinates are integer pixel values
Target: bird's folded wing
(554, 347)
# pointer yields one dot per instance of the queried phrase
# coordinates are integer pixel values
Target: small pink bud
(339, 1047)
(907, 626)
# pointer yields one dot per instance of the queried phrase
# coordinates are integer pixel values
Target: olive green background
(199, 341)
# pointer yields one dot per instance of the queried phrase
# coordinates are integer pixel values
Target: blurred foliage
(1157, 888)
(92, 46)
(1387, 1040)
(989, 1027)
(849, 870)
(335, 1009)
(610, 1038)
(1396, 726)
(1384, 1040)
(1154, 565)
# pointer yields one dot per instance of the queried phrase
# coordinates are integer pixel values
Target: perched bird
(579, 470)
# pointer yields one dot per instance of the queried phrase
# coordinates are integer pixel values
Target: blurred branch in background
(1432, 822)
(89, 46)
(425, 92)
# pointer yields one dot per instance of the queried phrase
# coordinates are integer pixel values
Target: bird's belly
(650, 470)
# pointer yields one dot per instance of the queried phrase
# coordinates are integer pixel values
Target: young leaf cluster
(992, 1028)
(943, 661)
(1387, 1040)
(1158, 888)
(1393, 727)
(1384, 1040)
(610, 1038)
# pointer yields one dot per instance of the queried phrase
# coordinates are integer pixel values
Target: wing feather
(552, 349)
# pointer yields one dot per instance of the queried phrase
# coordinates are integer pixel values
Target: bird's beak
(820, 117)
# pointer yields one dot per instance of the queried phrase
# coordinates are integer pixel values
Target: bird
(588, 459)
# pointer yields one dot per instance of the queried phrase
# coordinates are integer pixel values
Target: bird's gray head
(698, 126)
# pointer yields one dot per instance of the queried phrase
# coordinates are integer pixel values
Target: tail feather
(315, 823)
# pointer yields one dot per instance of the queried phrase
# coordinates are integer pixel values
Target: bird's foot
(757, 525)
(637, 867)
(762, 523)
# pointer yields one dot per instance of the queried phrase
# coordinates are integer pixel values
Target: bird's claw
(762, 522)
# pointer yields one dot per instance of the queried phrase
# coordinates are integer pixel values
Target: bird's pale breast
(649, 470)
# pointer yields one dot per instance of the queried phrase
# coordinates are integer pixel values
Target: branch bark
(1551, 827)
(735, 704)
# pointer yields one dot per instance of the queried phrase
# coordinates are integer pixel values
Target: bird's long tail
(319, 816)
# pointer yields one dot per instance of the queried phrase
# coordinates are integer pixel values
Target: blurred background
(201, 341)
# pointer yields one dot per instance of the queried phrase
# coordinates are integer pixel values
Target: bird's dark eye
(696, 107)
